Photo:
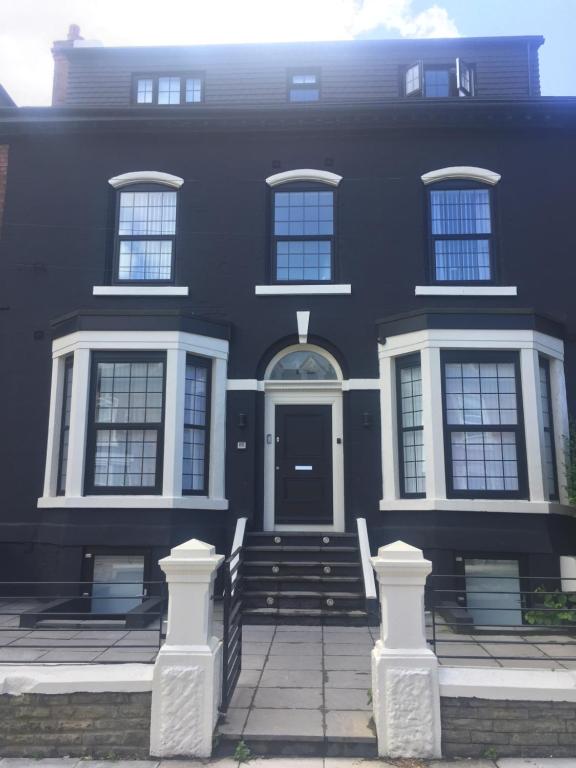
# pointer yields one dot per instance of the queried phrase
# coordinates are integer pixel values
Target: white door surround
(303, 393)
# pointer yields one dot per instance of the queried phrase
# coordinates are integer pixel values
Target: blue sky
(29, 27)
(554, 19)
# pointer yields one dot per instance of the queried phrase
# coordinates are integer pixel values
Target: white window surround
(146, 177)
(303, 289)
(140, 290)
(177, 345)
(304, 174)
(469, 172)
(429, 343)
(466, 290)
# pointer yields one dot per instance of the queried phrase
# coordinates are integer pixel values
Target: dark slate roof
(352, 71)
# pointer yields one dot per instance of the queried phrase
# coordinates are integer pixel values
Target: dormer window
(439, 80)
(304, 86)
(168, 89)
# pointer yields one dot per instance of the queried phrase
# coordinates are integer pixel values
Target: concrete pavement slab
(347, 699)
(350, 724)
(282, 678)
(288, 698)
(285, 723)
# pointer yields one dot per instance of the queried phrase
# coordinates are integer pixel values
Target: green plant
(242, 753)
(556, 608)
(570, 462)
(369, 694)
(490, 753)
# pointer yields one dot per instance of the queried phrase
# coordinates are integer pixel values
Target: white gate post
(405, 690)
(187, 673)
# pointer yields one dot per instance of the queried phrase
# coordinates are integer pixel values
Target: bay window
(473, 419)
(141, 422)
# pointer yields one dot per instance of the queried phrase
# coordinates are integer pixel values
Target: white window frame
(430, 343)
(177, 345)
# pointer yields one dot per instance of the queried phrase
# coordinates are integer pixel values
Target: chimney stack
(60, 82)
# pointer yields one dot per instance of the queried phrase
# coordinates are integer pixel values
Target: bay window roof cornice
(473, 319)
(138, 320)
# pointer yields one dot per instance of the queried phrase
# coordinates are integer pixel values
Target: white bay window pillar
(561, 423)
(78, 423)
(389, 430)
(432, 422)
(54, 422)
(533, 426)
(218, 428)
(174, 422)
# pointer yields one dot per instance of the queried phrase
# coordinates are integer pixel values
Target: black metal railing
(527, 613)
(69, 622)
(232, 634)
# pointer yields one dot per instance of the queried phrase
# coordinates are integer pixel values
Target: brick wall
(76, 724)
(3, 176)
(489, 728)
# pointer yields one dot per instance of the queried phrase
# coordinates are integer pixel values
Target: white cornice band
(146, 177)
(470, 172)
(304, 174)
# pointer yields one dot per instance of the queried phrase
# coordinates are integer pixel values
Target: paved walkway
(292, 762)
(313, 682)
(307, 683)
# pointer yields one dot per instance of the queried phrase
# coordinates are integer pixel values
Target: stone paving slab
(288, 698)
(273, 724)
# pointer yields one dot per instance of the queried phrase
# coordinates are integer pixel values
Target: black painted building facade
(298, 283)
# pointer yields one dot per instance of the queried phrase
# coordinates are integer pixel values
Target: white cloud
(30, 26)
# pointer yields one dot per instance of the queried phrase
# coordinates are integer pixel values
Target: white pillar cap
(401, 561)
(191, 559)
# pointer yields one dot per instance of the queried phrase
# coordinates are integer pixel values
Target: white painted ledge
(140, 290)
(303, 290)
(77, 678)
(132, 502)
(508, 684)
(520, 506)
(466, 290)
(240, 385)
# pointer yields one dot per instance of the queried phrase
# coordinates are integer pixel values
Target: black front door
(303, 464)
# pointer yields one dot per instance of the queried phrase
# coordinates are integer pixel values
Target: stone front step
(306, 577)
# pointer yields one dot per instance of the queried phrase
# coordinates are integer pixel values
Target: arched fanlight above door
(303, 363)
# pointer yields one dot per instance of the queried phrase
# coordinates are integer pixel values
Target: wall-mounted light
(366, 419)
(242, 420)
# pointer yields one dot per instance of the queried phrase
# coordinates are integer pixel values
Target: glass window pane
(119, 458)
(304, 94)
(547, 424)
(168, 90)
(478, 461)
(308, 260)
(117, 583)
(144, 90)
(305, 364)
(436, 82)
(412, 79)
(193, 90)
(489, 393)
(123, 396)
(65, 428)
(145, 260)
(147, 213)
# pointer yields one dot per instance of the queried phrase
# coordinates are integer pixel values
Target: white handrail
(367, 570)
(238, 541)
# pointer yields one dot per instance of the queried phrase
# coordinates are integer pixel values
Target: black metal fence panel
(81, 622)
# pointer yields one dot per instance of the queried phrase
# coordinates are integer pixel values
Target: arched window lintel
(469, 172)
(304, 174)
(146, 177)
